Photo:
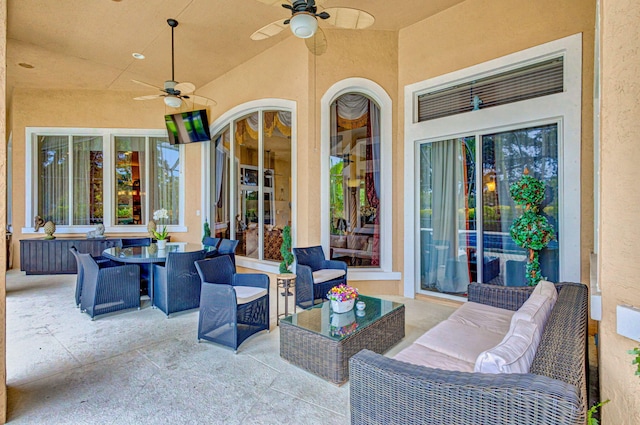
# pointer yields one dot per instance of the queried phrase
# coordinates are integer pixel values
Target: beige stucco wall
(288, 71)
(92, 109)
(619, 201)
(476, 31)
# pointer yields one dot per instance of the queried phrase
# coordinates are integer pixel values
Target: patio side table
(286, 282)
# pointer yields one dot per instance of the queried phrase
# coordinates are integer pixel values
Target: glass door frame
(478, 135)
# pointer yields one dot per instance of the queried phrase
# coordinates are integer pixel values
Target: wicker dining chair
(316, 275)
(176, 284)
(233, 306)
(228, 247)
(210, 242)
(108, 289)
(100, 260)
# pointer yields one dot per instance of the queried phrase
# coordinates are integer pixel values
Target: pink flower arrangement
(342, 293)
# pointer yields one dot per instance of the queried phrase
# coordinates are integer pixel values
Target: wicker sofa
(387, 391)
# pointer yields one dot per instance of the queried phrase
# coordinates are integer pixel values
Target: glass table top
(322, 320)
(151, 253)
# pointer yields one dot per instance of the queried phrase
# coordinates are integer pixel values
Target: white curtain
(87, 180)
(166, 173)
(352, 106)
(374, 115)
(53, 190)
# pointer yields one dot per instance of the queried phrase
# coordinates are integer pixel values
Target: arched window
(356, 177)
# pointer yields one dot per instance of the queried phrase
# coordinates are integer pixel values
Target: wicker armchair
(210, 242)
(126, 242)
(554, 392)
(100, 260)
(311, 264)
(108, 289)
(176, 285)
(228, 247)
(232, 306)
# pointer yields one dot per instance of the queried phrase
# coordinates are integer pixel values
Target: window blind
(540, 79)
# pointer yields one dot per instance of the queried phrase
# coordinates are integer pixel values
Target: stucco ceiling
(81, 44)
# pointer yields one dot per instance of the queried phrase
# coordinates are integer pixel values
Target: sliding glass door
(465, 209)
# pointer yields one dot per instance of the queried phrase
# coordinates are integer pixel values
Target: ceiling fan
(304, 22)
(173, 91)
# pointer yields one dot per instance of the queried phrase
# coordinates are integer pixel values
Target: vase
(342, 306)
(162, 244)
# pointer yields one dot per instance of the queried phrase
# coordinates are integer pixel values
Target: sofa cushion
(246, 294)
(459, 340)
(422, 356)
(514, 354)
(536, 309)
(483, 316)
(324, 275)
(548, 289)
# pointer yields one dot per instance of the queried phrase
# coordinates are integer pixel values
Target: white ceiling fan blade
(185, 88)
(347, 18)
(142, 83)
(269, 30)
(149, 97)
(202, 100)
(318, 43)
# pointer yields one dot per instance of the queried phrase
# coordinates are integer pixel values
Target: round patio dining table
(150, 255)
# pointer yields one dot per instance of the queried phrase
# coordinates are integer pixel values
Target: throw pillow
(514, 354)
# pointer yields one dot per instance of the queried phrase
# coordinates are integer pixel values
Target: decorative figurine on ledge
(151, 228)
(49, 229)
(38, 222)
(98, 233)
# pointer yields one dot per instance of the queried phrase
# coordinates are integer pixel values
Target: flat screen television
(188, 127)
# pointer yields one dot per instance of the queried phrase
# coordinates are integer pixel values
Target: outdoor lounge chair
(316, 275)
(176, 285)
(233, 306)
(108, 289)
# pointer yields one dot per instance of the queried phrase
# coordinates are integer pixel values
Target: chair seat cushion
(483, 316)
(459, 340)
(422, 356)
(246, 294)
(324, 275)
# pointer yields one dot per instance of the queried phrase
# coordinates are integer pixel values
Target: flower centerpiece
(342, 298)
(162, 235)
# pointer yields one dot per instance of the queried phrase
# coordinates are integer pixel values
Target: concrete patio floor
(138, 367)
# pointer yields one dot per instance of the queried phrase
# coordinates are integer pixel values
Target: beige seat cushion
(483, 316)
(422, 356)
(324, 275)
(514, 354)
(246, 294)
(459, 340)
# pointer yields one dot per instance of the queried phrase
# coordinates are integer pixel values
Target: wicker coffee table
(322, 342)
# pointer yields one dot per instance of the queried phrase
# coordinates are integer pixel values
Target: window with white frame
(462, 160)
(79, 177)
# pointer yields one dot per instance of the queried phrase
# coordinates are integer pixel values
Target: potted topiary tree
(531, 230)
(285, 251)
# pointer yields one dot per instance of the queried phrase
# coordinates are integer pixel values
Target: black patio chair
(316, 275)
(100, 260)
(228, 247)
(108, 289)
(233, 306)
(176, 284)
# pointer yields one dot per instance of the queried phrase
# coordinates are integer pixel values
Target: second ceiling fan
(304, 22)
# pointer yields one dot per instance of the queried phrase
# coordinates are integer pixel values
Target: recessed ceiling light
(26, 65)
(137, 55)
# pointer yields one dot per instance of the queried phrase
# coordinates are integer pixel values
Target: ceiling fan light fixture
(172, 101)
(303, 25)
